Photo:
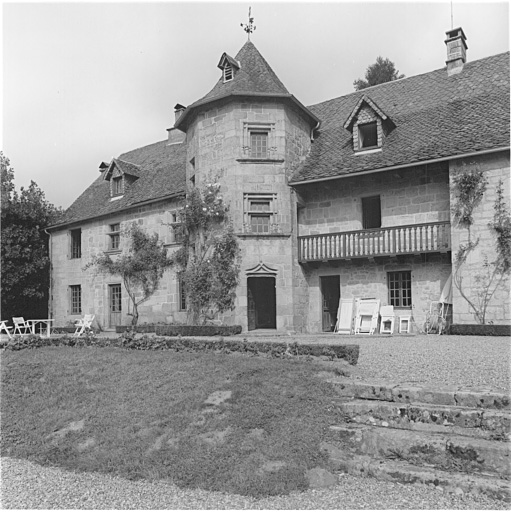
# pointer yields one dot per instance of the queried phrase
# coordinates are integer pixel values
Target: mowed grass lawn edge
(229, 423)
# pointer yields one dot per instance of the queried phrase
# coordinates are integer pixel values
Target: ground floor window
(400, 288)
(76, 299)
(182, 295)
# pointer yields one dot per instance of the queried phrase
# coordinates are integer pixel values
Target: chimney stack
(456, 51)
(176, 136)
(178, 110)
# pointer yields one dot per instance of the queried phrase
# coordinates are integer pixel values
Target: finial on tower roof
(249, 27)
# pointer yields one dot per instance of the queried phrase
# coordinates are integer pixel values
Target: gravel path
(472, 361)
(28, 486)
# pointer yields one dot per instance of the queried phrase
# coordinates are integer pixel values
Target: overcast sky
(85, 82)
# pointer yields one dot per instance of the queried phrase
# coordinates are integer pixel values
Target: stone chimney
(176, 136)
(456, 51)
(178, 110)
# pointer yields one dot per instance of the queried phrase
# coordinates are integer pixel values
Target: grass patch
(219, 422)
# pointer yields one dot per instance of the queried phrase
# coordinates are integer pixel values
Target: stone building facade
(348, 198)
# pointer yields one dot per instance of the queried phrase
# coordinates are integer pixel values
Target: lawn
(232, 423)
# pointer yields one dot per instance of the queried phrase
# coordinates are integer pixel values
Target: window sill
(367, 151)
(262, 235)
(260, 160)
(113, 251)
(115, 198)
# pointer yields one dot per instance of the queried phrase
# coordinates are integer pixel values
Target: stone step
(445, 452)
(403, 393)
(483, 423)
(405, 473)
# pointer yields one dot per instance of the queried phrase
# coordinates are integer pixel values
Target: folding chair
(6, 328)
(83, 324)
(20, 323)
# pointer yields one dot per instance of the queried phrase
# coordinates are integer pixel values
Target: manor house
(348, 198)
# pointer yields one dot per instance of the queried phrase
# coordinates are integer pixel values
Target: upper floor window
(115, 237)
(259, 144)
(76, 243)
(259, 213)
(367, 135)
(117, 186)
(371, 212)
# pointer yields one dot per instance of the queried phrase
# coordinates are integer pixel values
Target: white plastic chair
(21, 324)
(83, 324)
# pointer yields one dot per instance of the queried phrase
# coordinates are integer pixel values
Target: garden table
(45, 321)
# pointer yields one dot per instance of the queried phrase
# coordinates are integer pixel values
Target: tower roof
(254, 77)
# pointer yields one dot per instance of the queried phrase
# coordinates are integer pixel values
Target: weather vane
(249, 27)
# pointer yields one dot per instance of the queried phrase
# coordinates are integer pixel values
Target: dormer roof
(227, 59)
(123, 168)
(365, 100)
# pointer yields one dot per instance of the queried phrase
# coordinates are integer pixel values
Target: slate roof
(435, 116)
(254, 78)
(160, 169)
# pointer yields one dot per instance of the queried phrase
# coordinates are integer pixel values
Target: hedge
(197, 330)
(144, 328)
(480, 330)
(129, 341)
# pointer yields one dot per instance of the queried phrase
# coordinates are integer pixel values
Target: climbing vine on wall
(469, 185)
(208, 261)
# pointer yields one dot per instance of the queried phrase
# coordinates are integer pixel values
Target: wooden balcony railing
(368, 243)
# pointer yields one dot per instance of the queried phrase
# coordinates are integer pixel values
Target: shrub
(480, 330)
(197, 330)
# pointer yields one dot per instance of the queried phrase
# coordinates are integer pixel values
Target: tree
(208, 261)
(25, 258)
(140, 267)
(383, 70)
(469, 186)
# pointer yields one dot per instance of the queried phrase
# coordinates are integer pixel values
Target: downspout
(50, 291)
(312, 131)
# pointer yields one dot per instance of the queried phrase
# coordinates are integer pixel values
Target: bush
(480, 330)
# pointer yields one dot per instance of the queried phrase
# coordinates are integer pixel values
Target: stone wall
(364, 279)
(412, 195)
(218, 149)
(496, 167)
(163, 305)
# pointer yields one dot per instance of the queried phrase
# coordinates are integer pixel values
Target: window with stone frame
(400, 288)
(182, 295)
(76, 243)
(259, 210)
(114, 242)
(75, 295)
(259, 141)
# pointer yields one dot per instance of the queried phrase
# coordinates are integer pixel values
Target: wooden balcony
(370, 243)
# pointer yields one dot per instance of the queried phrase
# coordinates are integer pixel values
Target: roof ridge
(400, 80)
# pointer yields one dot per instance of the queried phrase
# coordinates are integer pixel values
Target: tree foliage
(25, 258)
(383, 70)
(469, 186)
(140, 266)
(208, 261)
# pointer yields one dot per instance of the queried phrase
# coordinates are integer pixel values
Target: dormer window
(117, 186)
(229, 66)
(368, 135)
(228, 74)
(369, 126)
